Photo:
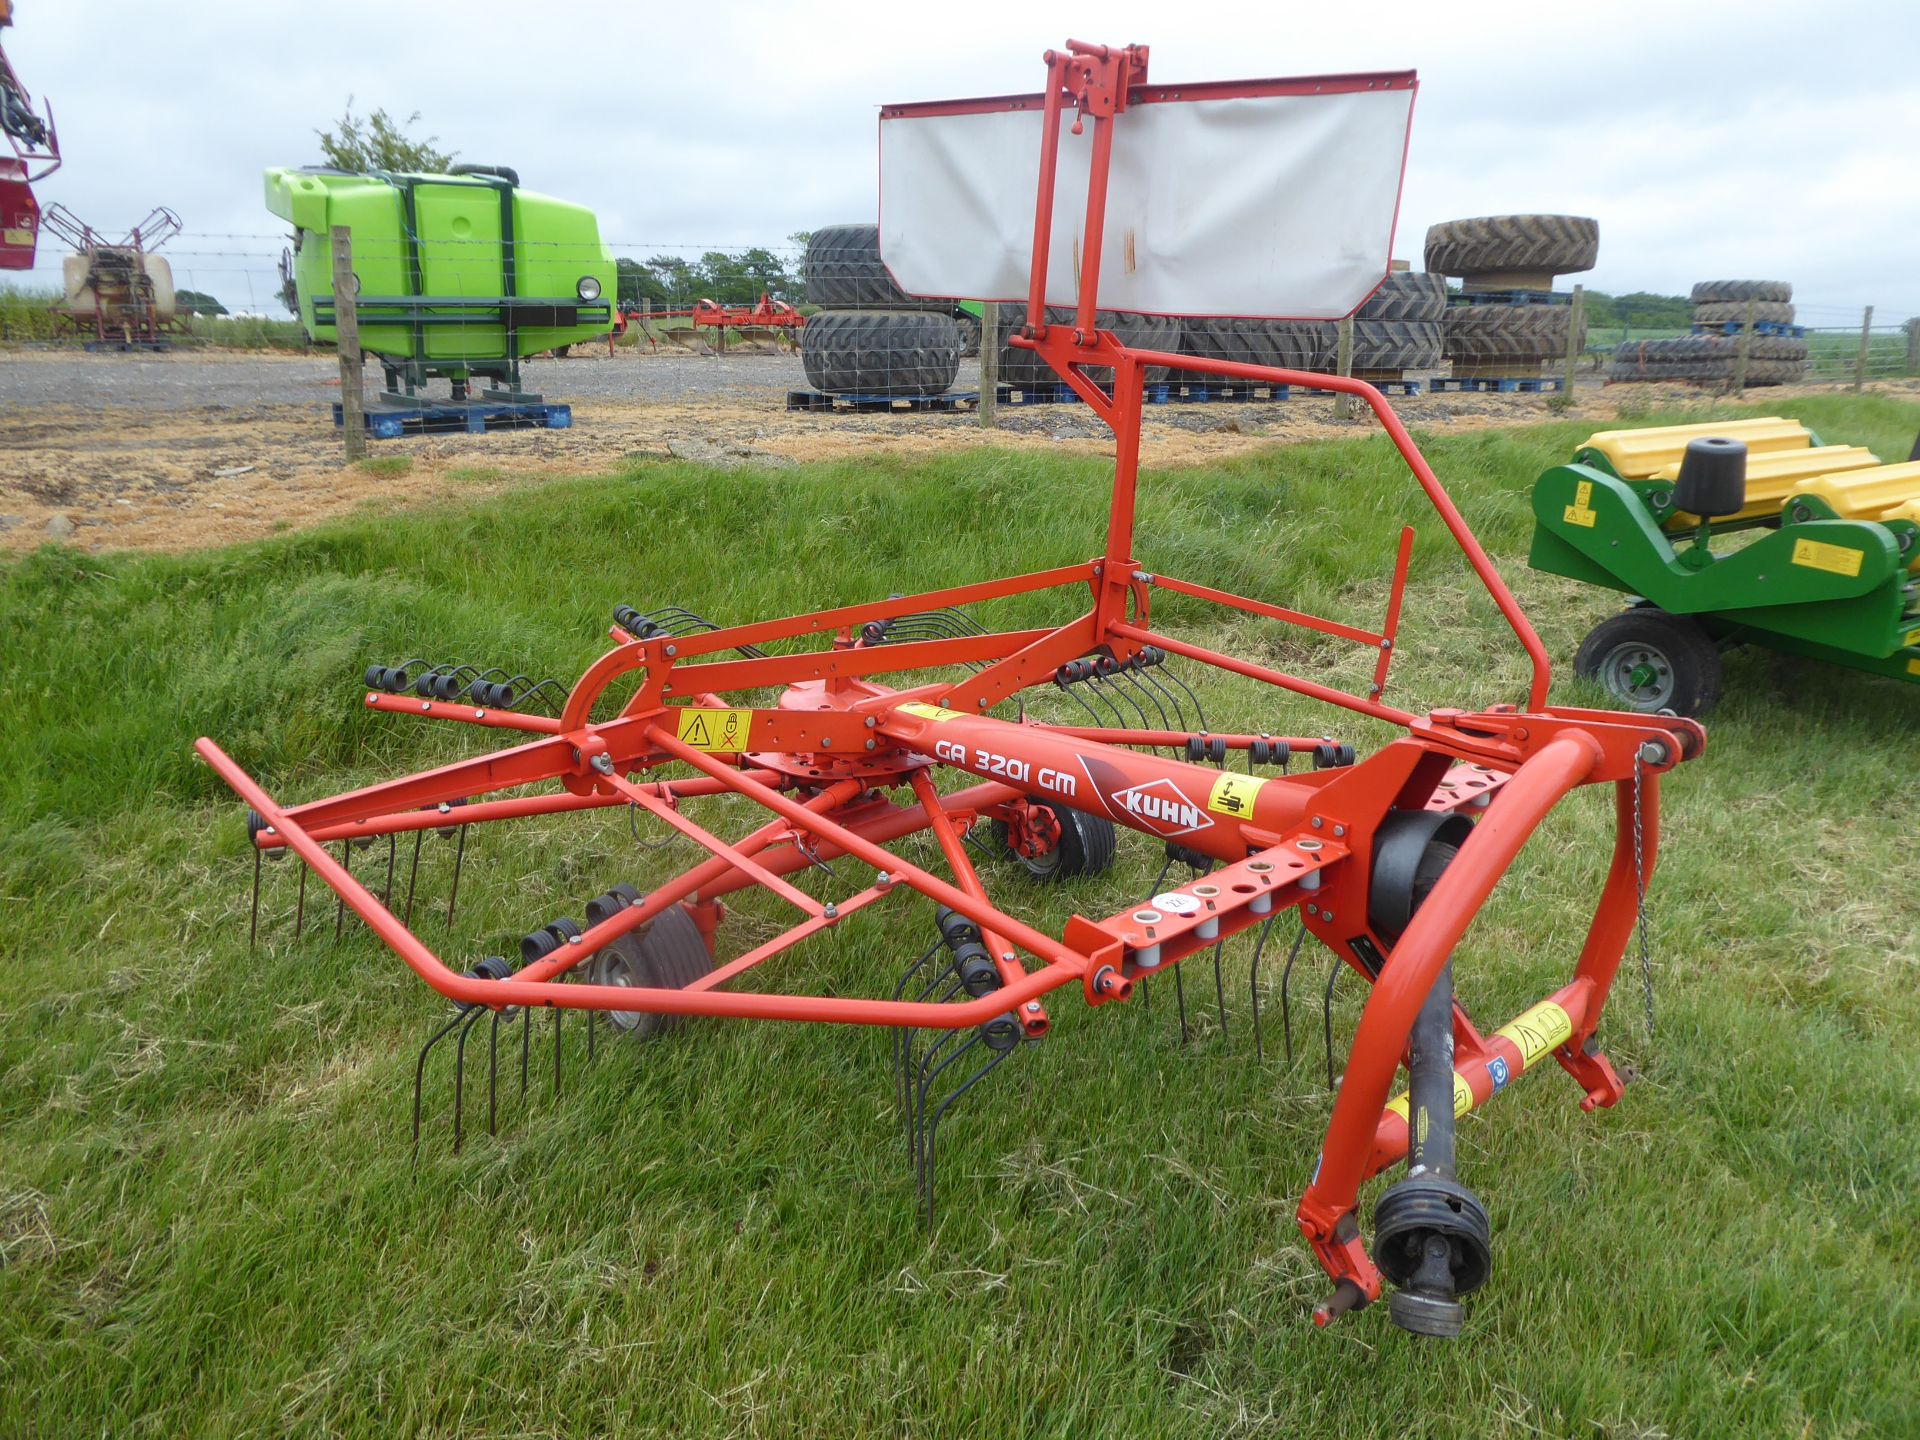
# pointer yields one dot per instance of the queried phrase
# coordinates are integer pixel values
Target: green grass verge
(210, 1222)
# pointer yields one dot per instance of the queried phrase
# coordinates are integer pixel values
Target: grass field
(211, 1223)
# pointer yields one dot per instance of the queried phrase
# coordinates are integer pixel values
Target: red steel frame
(819, 760)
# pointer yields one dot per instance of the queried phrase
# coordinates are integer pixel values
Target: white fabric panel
(1279, 207)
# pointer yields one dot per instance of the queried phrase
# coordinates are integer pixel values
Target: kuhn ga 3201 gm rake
(1386, 860)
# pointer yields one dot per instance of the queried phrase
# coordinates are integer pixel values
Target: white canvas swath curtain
(1276, 207)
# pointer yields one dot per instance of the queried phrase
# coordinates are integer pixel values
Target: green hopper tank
(457, 275)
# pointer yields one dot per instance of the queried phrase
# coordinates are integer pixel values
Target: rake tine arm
(1065, 966)
(1033, 1017)
(1402, 987)
(465, 712)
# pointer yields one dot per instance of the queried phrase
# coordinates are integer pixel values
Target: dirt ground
(170, 452)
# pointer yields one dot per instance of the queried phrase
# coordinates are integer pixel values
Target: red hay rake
(1386, 861)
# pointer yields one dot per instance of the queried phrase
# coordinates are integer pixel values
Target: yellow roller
(1637, 454)
(1771, 477)
(1866, 494)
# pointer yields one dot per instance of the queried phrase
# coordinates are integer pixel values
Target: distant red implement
(772, 316)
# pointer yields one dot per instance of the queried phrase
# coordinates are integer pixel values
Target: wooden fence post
(1913, 345)
(1745, 346)
(1866, 338)
(346, 341)
(1574, 323)
(1343, 363)
(989, 363)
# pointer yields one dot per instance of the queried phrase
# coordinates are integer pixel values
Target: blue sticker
(1497, 1072)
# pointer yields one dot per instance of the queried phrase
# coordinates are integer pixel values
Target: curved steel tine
(1286, 980)
(1253, 986)
(1133, 677)
(526, 1048)
(1179, 710)
(557, 1013)
(460, 1075)
(493, 1070)
(453, 892)
(917, 1097)
(413, 875)
(1114, 694)
(420, 1072)
(300, 909)
(902, 1034)
(393, 845)
(1326, 1011)
(1199, 710)
(933, 1125)
(927, 1077)
(253, 931)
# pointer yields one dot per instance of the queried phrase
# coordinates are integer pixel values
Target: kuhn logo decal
(1162, 808)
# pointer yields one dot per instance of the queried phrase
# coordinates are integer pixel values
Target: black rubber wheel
(1407, 295)
(844, 271)
(1709, 292)
(1722, 312)
(1651, 661)
(880, 352)
(669, 955)
(1548, 244)
(1508, 334)
(1086, 846)
(1023, 369)
(1396, 344)
(1287, 344)
(969, 324)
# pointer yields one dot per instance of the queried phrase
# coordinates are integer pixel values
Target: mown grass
(211, 1224)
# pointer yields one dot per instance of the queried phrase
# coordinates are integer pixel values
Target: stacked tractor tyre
(1507, 319)
(1398, 329)
(869, 337)
(1025, 370)
(1776, 354)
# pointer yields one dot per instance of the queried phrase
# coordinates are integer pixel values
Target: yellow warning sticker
(930, 712)
(1462, 1099)
(1544, 1028)
(1913, 667)
(1234, 795)
(17, 237)
(1834, 559)
(1912, 638)
(725, 732)
(1581, 511)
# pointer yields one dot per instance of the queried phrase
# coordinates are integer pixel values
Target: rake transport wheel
(668, 955)
(1085, 846)
(1651, 661)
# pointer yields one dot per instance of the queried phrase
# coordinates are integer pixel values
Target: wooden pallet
(387, 421)
(950, 402)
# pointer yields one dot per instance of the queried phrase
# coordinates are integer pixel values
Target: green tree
(379, 142)
(197, 302)
(637, 282)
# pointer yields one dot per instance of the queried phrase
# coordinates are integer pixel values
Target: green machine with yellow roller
(455, 275)
(1744, 532)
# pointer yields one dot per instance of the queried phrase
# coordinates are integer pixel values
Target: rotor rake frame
(843, 764)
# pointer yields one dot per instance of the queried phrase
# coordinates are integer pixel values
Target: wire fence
(836, 305)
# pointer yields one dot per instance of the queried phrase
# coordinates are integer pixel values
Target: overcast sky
(1712, 138)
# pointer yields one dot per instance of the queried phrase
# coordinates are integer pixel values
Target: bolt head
(1653, 753)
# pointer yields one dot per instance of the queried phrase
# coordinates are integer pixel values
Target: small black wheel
(1651, 661)
(669, 955)
(1085, 847)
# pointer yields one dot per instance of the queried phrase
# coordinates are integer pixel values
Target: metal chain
(1640, 899)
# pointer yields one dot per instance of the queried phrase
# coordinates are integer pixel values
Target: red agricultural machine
(765, 317)
(906, 716)
(35, 143)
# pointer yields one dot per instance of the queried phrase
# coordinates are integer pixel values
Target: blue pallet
(1511, 297)
(1760, 327)
(944, 403)
(449, 417)
(1527, 385)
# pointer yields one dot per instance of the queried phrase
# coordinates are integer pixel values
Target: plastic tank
(469, 237)
(104, 282)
